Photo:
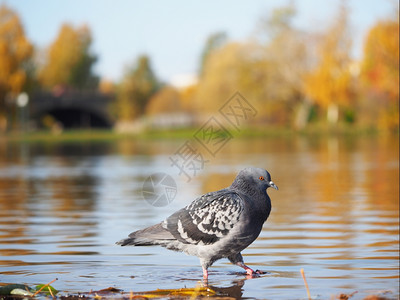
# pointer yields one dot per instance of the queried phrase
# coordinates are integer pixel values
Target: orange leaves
(17, 80)
(380, 66)
(15, 50)
(167, 100)
(292, 75)
(12, 35)
(330, 82)
(380, 73)
(65, 55)
(226, 70)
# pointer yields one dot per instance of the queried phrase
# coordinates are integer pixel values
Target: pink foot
(250, 272)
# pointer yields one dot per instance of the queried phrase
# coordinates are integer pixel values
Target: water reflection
(62, 207)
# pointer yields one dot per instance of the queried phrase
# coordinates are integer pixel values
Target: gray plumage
(217, 224)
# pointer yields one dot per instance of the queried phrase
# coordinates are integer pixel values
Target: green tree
(69, 60)
(15, 56)
(82, 73)
(137, 87)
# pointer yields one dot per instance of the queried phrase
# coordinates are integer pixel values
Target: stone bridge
(72, 109)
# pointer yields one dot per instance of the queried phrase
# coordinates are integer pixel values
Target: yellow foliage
(194, 293)
(268, 72)
(167, 100)
(137, 87)
(17, 80)
(380, 75)
(15, 50)
(106, 86)
(380, 66)
(124, 107)
(64, 54)
(329, 83)
(228, 70)
(252, 70)
(187, 96)
(219, 78)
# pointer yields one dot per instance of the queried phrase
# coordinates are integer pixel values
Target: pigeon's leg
(205, 264)
(238, 260)
(205, 274)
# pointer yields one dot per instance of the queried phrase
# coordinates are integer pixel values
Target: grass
(182, 133)
(94, 135)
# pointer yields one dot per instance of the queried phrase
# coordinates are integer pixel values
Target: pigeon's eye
(261, 178)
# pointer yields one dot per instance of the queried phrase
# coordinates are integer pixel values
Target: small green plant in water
(47, 289)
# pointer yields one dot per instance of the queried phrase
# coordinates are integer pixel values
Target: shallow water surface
(336, 214)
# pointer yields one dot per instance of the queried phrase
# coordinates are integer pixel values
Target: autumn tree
(187, 95)
(213, 42)
(221, 77)
(287, 56)
(267, 71)
(107, 86)
(69, 60)
(329, 84)
(15, 54)
(137, 87)
(380, 72)
(165, 101)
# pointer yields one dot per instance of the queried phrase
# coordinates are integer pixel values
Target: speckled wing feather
(207, 219)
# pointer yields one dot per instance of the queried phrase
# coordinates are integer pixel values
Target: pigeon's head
(255, 178)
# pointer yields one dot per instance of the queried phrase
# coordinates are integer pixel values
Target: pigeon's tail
(153, 235)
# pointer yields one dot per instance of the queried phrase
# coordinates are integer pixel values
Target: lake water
(336, 214)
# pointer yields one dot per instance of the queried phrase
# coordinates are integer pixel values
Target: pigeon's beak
(273, 185)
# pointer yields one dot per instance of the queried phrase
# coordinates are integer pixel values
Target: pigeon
(216, 225)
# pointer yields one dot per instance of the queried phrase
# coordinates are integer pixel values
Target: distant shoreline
(183, 133)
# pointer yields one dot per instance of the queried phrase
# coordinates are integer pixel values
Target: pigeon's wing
(207, 219)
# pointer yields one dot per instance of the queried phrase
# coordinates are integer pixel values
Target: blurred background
(128, 65)
(96, 96)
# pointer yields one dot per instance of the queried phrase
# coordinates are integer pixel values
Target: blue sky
(174, 32)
